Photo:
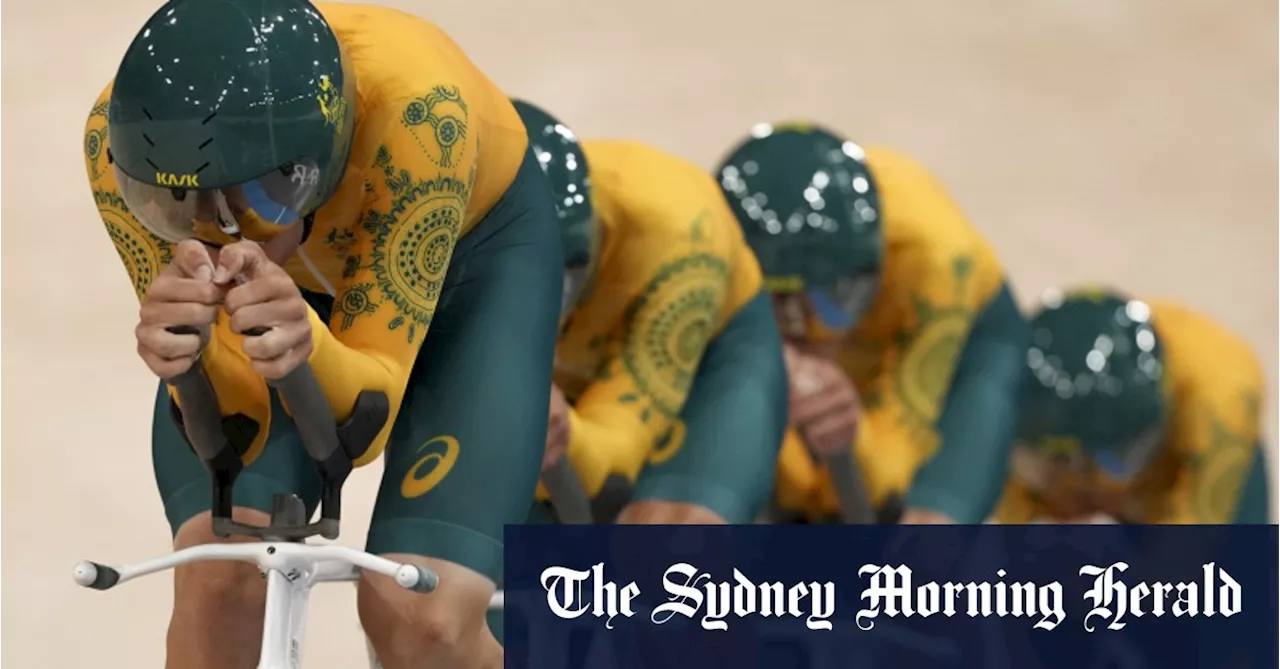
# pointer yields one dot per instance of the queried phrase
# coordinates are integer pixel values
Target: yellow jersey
(1216, 387)
(435, 145)
(673, 269)
(938, 275)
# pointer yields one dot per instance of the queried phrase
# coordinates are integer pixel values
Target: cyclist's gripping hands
(824, 403)
(182, 295)
(265, 299)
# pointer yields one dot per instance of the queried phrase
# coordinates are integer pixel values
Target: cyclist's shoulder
(928, 237)
(401, 59)
(657, 198)
(417, 91)
(1204, 357)
(1184, 328)
(900, 175)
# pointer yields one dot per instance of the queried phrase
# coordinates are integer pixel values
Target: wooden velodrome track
(1132, 142)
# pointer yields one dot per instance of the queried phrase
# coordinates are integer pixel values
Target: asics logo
(437, 457)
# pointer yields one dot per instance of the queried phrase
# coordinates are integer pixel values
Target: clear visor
(1125, 462)
(258, 209)
(1121, 462)
(839, 307)
(834, 309)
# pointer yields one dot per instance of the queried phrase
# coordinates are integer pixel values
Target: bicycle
(290, 565)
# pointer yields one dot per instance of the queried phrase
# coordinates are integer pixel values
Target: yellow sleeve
(939, 275)
(144, 255)
(418, 189)
(1216, 431)
(902, 402)
(673, 314)
(1017, 506)
(239, 389)
(797, 475)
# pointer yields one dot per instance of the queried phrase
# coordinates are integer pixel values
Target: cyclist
(904, 341)
(669, 371)
(344, 176)
(1137, 411)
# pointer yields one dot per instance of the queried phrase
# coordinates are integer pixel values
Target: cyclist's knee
(661, 512)
(444, 628)
(217, 585)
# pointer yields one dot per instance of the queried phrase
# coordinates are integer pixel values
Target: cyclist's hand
(557, 429)
(183, 294)
(824, 404)
(266, 297)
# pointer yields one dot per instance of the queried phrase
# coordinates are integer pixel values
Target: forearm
(976, 431)
(344, 372)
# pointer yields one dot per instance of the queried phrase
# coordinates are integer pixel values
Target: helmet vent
(208, 118)
(205, 143)
(147, 114)
(149, 142)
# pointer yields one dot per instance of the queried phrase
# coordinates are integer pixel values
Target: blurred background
(1128, 142)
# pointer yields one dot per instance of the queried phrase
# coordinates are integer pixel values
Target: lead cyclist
(343, 176)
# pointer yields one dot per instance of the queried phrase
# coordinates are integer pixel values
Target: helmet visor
(1125, 460)
(1119, 461)
(258, 209)
(841, 305)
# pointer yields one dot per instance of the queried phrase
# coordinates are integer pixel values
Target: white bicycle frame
(291, 569)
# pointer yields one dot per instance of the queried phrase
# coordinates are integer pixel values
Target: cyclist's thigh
(723, 452)
(541, 513)
(466, 450)
(1254, 507)
(186, 488)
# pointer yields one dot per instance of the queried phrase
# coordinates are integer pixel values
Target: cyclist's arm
(418, 190)
(240, 390)
(905, 419)
(975, 428)
(623, 414)
(1018, 506)
(797, 475)
(1217, 433)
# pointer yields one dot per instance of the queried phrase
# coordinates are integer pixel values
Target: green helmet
(234, 114)
(1095, 382)
(560, 154)
(810, 210)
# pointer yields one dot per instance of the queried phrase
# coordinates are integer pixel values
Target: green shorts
(483, 375)
(733, 422)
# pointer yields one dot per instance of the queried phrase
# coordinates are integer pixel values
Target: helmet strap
(226, 220)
